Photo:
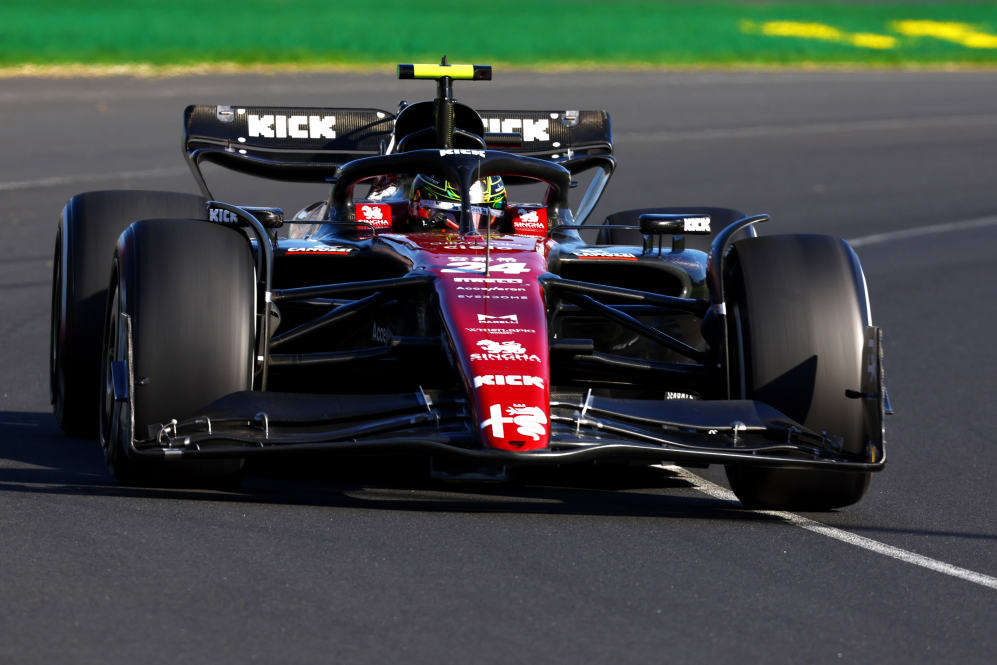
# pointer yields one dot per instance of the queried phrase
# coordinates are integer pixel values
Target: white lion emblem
(488, 346)
(528, 215)
(371, 212)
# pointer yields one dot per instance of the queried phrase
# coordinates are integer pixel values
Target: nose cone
(497, 324)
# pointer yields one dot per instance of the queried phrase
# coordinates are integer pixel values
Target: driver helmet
(435, 203)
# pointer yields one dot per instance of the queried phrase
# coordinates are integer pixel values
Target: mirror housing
(660, 224)
(271, 218)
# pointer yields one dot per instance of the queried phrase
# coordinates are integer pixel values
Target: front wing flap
(584, 427)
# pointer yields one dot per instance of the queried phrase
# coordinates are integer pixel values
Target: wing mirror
(659, 224)
(271, 218)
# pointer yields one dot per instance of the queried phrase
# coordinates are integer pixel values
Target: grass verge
(313, 33)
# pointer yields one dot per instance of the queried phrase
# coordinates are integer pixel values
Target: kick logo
(508, 380)
(223, 216)
(503, 318)
(294, 126)
(696, 224)
(532, 130)
(529, 420)
(462, 151)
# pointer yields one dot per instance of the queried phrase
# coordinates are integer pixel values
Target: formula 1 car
(418, 311)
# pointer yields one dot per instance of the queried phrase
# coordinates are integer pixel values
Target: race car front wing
(583, 427)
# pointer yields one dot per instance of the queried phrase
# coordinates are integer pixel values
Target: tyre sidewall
(89, 227)
(798, 310)
(188, 287)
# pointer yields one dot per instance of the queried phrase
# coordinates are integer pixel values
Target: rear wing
(553, 134)
(303, 144)
(282, 142)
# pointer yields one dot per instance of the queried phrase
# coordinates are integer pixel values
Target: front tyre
(797, 314)
(179, 325)
(88, 229)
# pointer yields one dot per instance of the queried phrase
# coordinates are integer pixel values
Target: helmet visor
(446, 214)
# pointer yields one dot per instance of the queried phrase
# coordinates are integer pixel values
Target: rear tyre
(797, 313)
(89, 227)
(180, 315)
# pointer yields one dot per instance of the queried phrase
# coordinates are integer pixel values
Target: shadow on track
(37, 458)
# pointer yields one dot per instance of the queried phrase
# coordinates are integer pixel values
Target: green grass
(503, 32)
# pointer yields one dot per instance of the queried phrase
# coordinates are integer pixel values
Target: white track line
(56, 181)
(903, 234)
(760, 131)
(699, 483)
(724, 494)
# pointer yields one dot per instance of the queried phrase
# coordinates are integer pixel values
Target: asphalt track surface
(317, 565)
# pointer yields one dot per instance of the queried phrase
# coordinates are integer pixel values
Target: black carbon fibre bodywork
(363, 332)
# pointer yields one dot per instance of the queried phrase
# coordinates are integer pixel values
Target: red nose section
(497, 323)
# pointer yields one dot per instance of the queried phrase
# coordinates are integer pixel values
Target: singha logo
(528, 216)
(372, 212)
(488, 346)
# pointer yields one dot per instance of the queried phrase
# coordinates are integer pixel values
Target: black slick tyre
(181, 317)
(88, 229)
(797, 310)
